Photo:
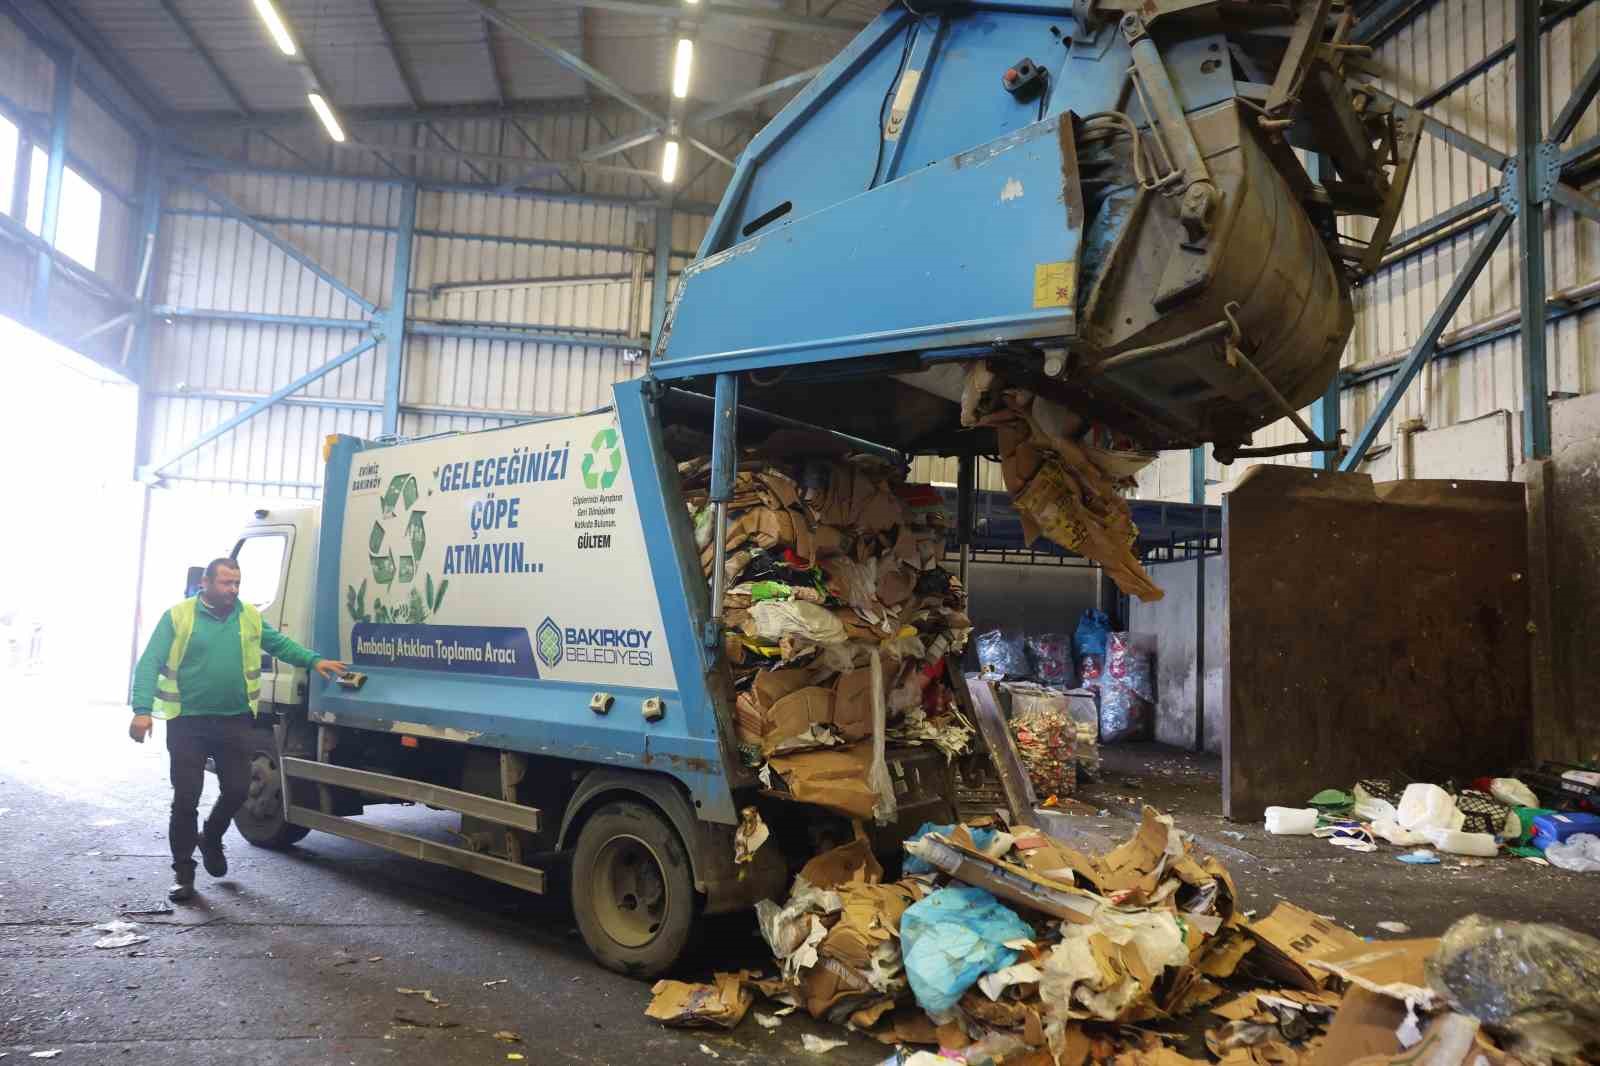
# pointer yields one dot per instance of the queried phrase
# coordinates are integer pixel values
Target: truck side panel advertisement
(512, 553)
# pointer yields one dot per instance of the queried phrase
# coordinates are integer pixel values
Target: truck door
(263, 556)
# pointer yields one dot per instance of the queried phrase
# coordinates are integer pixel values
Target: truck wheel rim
(630, 891)
(264, 801)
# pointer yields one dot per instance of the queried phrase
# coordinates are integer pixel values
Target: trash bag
(1580, 853)
(1535, 985)
(951, 938)
(1094, 627)
(1050, 655)
(1127, 690)
(1003, 653)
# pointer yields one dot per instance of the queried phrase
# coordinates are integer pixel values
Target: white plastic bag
(1428, 807)
(1291, 821)
(1580, 852)
(1510, 791)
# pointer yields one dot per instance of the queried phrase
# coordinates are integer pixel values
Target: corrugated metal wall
(205, 371)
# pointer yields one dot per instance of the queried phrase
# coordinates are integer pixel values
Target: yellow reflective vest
(168, 702)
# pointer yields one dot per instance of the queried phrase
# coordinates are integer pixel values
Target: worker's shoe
(211, 854)
(183, 890)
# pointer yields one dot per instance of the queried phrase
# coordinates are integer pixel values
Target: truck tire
(261, 820)
(632, 890)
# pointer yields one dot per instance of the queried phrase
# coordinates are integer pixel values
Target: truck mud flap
(470, 803)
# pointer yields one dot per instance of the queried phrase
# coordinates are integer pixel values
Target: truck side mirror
(191, 584)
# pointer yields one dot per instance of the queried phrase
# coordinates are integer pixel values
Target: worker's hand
(331, 668)
(140, 727)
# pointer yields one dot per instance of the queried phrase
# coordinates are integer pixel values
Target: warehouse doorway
(69, 540)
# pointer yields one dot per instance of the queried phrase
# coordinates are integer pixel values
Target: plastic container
(1556, 828)
(1456, 842)
(1291, 821)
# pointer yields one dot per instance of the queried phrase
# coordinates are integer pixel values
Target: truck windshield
(260, 559)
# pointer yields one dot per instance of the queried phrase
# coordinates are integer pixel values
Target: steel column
(391, 322)
(658, 284)
(1325, 421)
(1197, 475)
(60, 114)
(1430, 336)
(1530, 236)
(261, 405)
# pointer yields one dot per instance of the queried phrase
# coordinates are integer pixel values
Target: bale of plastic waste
(1127, 691)
(1003, 653)
(1535, 985)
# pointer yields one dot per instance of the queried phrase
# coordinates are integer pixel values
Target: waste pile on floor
(839, 621)
(1495, 815)
(1008, 947)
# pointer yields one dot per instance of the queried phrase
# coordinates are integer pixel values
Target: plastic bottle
(1291, 821)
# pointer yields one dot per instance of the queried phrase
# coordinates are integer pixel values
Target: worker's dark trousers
(229, 740)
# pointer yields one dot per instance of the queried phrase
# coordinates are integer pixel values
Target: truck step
(524, 877)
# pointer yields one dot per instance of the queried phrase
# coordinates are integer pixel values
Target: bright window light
(78, 225)
(8, 164)
(276, 26)
(77, 217)
(681, 66)
(669, 162)
(38, 167)
(325, 113)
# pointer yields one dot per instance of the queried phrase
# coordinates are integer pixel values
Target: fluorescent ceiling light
(681, 67)
(276, 26)
(669, 162)
(329, 121)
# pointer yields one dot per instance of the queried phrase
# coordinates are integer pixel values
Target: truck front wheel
(632, 890)
(261, 820)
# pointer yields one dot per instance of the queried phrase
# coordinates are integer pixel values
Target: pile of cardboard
(840, 624)
(1012, 947)
(1063, 488)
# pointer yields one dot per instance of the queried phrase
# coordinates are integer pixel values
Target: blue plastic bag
(1094, 629)
(953, 937)
(981, 839)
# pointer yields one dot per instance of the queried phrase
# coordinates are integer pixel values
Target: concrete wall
(1174, 621)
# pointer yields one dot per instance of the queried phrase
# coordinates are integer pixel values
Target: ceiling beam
(407, 77)
(199, 48)
(540, 152)
(531, 167)
(555, 50)
(129, 82)
(622, 143)
(744, 101)
(524, 109)
(713, 153)
(495, 73)
(710, 12)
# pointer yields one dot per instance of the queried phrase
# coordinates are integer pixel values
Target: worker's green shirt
(211, 676)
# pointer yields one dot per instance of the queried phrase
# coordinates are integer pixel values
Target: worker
(201, 673)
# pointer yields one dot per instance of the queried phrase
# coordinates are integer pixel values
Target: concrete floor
(296, 957)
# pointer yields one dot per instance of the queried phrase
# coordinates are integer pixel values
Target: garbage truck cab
(525, 616)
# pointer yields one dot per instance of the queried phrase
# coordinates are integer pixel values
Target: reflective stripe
(168, 703)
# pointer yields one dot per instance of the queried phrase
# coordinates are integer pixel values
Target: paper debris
(514, 1056)
(722, 1004)
(496, 981)
(44, 1054)
(818, 1045)
(506, 1036)
(426, 994)
(119, 934)
(707, 1051)
(749, 836)
(1398, 928)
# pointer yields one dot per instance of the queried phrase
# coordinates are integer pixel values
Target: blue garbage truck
(1139, 218)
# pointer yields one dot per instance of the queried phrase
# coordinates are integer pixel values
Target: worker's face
(222, 590)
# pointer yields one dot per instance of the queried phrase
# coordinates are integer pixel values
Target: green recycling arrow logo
(399, 501)
(603, 462)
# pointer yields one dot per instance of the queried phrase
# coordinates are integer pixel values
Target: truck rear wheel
(632, 890)
(261, 820)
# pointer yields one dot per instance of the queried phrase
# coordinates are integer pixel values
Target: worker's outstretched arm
(281, 646)
(147, 674)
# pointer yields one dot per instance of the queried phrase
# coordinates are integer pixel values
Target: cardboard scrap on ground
(1366, 1024)
(1391, 968)
(1291, 938)
(722, 1004)
(1451, 1039)
(842, 865)
(834, 778)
